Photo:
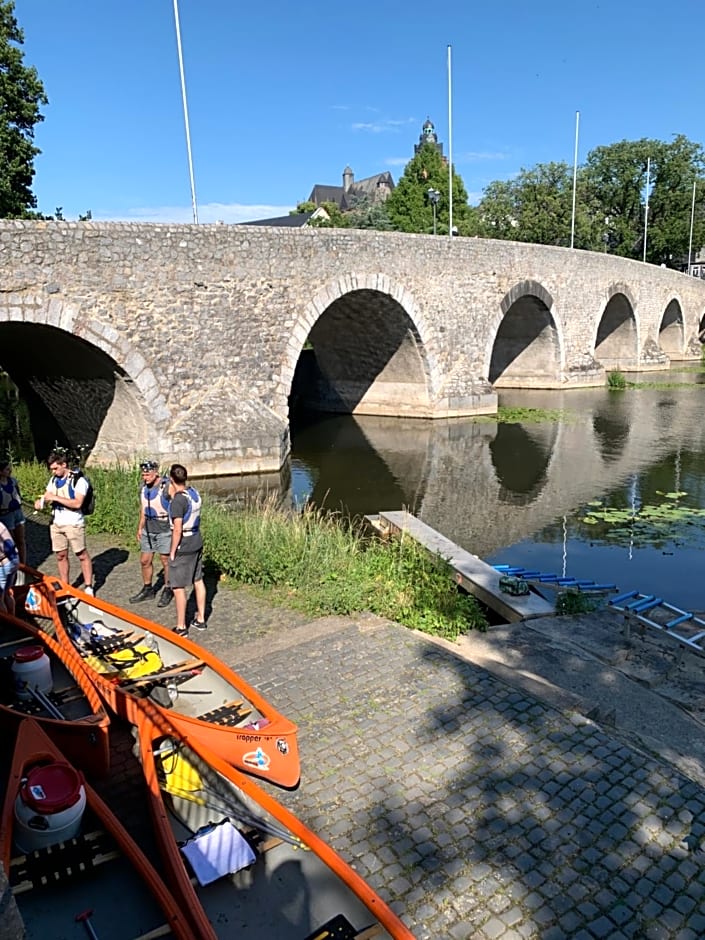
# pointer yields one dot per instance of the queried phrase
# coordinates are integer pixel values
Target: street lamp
(433, 197)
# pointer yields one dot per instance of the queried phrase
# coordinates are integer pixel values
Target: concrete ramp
(471, 573)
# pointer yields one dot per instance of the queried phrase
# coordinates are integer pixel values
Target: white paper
(217, 852)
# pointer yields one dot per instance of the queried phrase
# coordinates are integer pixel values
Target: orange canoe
(81, 863)
(131, 660)
(240, 863)
(55, 691)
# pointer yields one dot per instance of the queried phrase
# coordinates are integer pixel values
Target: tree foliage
(610, 203)
(408, 206)
(21, 96)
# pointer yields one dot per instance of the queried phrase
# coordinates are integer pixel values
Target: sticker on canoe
(257, 759)
(282, 746)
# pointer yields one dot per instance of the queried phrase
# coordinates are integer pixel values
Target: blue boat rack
(651, 611)
(529, 574)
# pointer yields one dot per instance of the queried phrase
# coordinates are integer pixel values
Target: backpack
(88, 505)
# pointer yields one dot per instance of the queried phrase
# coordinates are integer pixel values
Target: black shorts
(186, 568)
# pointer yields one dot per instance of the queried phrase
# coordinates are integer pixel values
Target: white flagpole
(690, 240)
(450, 148)
(186, 124)
(646, 208)
(575, 178)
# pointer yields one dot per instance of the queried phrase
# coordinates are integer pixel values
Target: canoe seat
(115, 643)
(63, 861)
(230, 714)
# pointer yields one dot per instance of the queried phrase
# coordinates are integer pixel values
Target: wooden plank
(471, 573)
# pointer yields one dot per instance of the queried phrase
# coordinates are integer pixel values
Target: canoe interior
(123, 907)
(196, 692)
(287, 894)
(66, 695)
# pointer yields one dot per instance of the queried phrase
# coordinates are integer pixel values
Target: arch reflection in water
(611, 424)
(520, 457)
(360, 464)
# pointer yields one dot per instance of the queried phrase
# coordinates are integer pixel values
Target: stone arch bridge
(192, 342)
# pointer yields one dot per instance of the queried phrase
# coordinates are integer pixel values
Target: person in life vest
(11, 514)
(186, 552)
(65, 494)
(153, 532)
(9, 565)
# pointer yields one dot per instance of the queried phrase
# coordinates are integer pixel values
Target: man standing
(186, 552)
(153, 532)
(66, 492)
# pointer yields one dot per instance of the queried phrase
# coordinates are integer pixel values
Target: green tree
(610, 203)
(368, 214)
(534, 207)
(408, 206)
(21, 96)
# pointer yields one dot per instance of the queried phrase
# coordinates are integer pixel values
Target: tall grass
(616, 380)
(310, 560)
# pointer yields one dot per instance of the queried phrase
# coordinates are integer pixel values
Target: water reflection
(519, 493)
(611, 427)
(520, 457)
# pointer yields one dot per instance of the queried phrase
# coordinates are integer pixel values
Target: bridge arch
(372, 351)
(671, 333)
(86, 386)
(527, 348)
(617, 337)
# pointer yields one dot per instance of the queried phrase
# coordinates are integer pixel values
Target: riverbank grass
(312, 561)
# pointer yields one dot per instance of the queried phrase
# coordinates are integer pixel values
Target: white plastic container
(49, 806)
(31, 669)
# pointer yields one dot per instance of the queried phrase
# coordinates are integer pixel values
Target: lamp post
(433, 197)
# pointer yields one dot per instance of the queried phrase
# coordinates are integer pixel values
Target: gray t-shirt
(180, 505)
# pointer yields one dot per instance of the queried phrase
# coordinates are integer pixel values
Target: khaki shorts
(65, 536)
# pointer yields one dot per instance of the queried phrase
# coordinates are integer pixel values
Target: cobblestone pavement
(475, 809)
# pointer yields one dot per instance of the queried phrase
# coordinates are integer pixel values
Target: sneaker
(87, 589)
(165, 597)
(198, 624)
(147, 593)
(181, 631)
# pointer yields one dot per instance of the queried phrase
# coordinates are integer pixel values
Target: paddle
(229, 809)
(193, 667)
(45, 702)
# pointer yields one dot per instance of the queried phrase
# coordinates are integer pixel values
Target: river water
(537, 495)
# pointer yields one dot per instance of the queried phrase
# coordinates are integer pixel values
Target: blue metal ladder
(529, 574)
(651, 611)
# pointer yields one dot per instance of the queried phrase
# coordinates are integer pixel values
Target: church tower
(428, 136)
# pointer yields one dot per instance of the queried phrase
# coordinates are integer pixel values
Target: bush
(616, 380)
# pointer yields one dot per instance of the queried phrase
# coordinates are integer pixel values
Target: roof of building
(298, 220)
(360, 189)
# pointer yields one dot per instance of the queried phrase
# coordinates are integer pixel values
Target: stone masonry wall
(207, 322)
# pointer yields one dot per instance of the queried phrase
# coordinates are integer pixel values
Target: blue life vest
(8, 550)
(192, 517)
(155, 500)
(10, 498)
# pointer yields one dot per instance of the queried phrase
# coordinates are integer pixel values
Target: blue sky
(282, 94)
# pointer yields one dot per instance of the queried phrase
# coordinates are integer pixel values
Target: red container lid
(52, 788)
(28, 654)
